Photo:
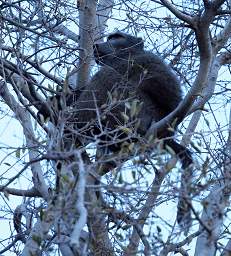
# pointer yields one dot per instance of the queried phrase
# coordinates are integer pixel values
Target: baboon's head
(118, 47)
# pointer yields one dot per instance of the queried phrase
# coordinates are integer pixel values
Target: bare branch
(186, 18)
(227, 249)
(32, 143)
(208, 90)
(221, 39)
(20, 192)
(80, 186)
(214, 206)
(39, 233)
(87, 24)
(26, 28)
(132, 247)
(177, 247)
(97, 222)
(104, 9)
(205, 49)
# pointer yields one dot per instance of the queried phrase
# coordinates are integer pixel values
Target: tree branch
(132, 247)
(214, 206)
(205, 50)
(24, 118)
(87, 24)
(20, 192)
(180, 15)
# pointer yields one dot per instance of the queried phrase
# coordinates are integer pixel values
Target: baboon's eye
(115, 36)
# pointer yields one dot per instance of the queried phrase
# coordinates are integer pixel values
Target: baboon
(130, 80)
(132, 89)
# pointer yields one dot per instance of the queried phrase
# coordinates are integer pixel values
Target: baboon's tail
(184, 218)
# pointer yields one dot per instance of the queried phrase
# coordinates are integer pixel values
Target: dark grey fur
(128, 73)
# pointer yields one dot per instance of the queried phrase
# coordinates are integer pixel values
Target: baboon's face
(119, 46)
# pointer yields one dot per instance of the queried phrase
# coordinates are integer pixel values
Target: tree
(66, 205)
